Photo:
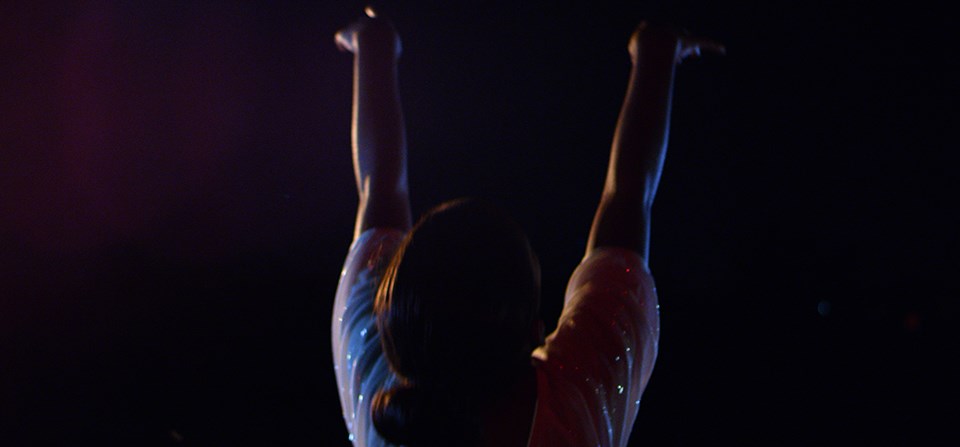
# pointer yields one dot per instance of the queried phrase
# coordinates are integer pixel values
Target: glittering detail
(590, 377)
(594, 367)
(360, 367)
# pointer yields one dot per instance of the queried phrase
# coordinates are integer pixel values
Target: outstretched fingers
(668, 41)
(695, 46)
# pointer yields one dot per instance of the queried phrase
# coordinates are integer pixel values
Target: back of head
(456, 309)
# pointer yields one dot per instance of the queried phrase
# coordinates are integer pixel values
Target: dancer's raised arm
(378, 133)
(640, 140)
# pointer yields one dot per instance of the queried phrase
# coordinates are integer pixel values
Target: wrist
(654, 43)
(379, 38)
(376, 56)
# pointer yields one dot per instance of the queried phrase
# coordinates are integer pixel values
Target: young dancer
(437, 338)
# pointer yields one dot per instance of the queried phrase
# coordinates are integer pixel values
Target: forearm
(640, 140)
(378, 135)
(379, 140)
(638, 151)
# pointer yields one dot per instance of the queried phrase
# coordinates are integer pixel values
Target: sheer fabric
(591, 371)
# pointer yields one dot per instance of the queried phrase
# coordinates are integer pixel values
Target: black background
(176, 198)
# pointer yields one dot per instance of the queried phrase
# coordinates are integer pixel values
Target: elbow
(628, 203)
(381, 187)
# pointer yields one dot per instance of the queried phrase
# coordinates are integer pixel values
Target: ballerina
(436, 333)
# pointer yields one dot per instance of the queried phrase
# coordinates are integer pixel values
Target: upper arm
(613, 288)
(605, 344)
(359, 365)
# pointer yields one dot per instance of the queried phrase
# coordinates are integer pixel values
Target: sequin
(592, 382)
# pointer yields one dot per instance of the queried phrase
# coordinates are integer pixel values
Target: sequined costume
(591, 371)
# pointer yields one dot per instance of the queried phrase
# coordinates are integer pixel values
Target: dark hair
(456, 311)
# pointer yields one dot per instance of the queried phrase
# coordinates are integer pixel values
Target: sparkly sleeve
(593, 369)
(358, 360)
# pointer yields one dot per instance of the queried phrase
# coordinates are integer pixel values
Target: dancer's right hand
(670, 41)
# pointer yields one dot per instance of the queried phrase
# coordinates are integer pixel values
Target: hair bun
(397, 413)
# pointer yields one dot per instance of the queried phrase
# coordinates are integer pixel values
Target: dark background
(176, 198)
